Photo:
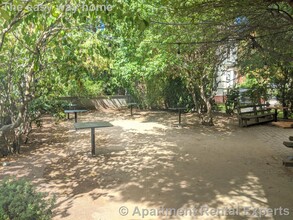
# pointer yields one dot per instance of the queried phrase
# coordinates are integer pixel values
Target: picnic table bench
(75, 111)
(255, 114)
(92, 126)
(289, 161)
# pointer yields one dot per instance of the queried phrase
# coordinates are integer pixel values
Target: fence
(101, 102)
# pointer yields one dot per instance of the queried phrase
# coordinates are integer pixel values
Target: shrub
(20, 201)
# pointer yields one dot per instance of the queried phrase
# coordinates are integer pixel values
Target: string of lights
(226, 39)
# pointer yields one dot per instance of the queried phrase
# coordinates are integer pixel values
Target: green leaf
(4, 14)
(55, 12)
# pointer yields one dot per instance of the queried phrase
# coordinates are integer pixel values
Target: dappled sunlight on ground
(145, 162)
(138, 127)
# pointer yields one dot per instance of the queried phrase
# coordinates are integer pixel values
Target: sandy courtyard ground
(147, 168)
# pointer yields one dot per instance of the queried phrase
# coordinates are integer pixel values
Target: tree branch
(18, 17)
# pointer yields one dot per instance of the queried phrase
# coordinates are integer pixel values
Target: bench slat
(288, 144)
(250, 112)
(257, 116)
(252, 105)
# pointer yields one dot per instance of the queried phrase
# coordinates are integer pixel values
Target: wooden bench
(289, 161)
(254, 114)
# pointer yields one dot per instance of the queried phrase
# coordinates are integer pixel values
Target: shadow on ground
(147, 162)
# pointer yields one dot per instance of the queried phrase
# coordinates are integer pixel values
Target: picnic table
(179, 109)
(75, 111)
(92, 126)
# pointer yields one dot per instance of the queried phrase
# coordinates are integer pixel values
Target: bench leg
(75, 117)
(240, 123)
(68, 116)
(276, 116)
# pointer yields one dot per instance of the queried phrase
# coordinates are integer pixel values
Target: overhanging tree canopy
(140, 42)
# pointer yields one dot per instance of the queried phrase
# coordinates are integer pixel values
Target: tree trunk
(8, 143)
(207, 118)
(7, 130)
(195, 101)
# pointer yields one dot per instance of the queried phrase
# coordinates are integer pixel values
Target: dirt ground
(148, 168)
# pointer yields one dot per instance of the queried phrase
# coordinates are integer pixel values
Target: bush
(47, 105)
(232, 100)
(20, 201)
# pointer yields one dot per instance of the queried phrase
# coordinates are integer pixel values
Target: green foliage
(46, 105)
(221, 108)
(154, 95)
(84, 88)
(159, 51)
(19, 200)
(176, 94)
(255, 89)
(231, 100)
